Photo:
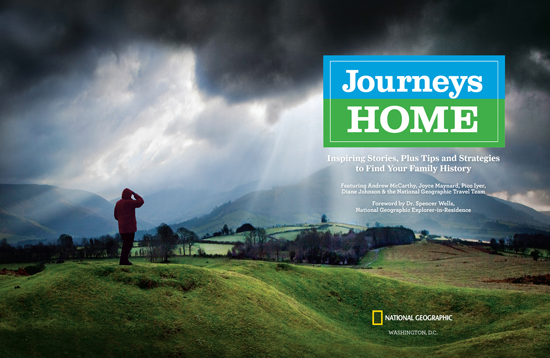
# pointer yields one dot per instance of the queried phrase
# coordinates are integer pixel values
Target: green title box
(413, 101)
(412, 123)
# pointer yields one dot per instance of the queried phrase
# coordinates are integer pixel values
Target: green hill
(255, 309)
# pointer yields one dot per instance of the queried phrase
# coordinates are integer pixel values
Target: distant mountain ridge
(537, 215)
(321, 194)
(179, 204)
(36, 212)
(46, 211)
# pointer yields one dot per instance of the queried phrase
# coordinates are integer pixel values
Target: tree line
(535, 241)
(310, 246)
(158, 247)
(318, 247)
(521, 243)
(64, 248)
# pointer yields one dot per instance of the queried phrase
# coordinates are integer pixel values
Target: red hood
(126, 194)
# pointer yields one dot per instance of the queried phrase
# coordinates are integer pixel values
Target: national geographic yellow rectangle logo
(377, 320)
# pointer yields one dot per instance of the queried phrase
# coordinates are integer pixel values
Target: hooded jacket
(125, 211)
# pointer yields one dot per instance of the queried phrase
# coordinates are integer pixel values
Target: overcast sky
(158, 94)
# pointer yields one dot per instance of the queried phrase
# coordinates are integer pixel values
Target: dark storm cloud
(517, 29)
(37, 42)
(254, 49)
(245, 49)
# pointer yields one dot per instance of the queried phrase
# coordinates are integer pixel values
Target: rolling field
(290, 232)
(205, 307)
(458, 266)
(210, 249)
(229, 238)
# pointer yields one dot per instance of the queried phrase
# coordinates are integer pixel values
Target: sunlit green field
(212, 249)
(290, 232)
(214, 307)
(209, 249)
(229, 238)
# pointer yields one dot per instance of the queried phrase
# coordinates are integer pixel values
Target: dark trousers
(127, 244)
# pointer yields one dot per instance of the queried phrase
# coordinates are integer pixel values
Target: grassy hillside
(255, 309)
(445, 265)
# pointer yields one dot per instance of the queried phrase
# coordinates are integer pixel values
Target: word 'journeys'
(439, 83)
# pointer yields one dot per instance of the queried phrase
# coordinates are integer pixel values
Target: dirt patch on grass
(454, 247)
(537, 280)
(18, 272)
(188, 286)
(445, 253)
(147, 283)
(283, 267)
(486, 250)
(147, 279)
(335, 295)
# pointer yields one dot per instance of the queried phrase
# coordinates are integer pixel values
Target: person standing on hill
(125, 214)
